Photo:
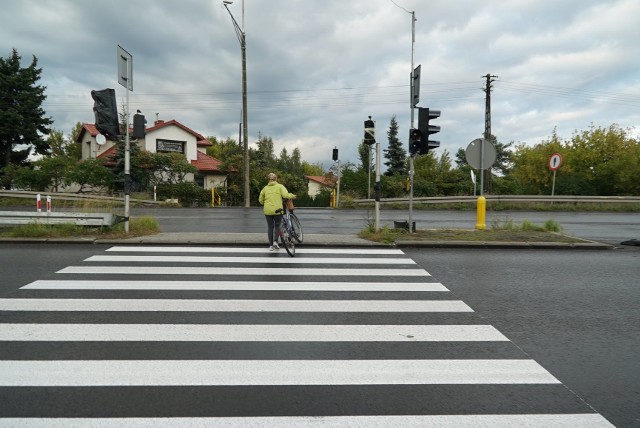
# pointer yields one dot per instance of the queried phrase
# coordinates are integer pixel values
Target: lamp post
(245, 138)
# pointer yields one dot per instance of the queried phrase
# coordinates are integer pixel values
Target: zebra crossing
(239, 337)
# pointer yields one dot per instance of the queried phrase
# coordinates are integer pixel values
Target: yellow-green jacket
(271, 197)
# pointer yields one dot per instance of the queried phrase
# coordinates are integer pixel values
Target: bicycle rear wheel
(297, 228)
(287, 240)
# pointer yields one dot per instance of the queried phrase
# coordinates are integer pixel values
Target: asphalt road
(574, 312)
(611, 228)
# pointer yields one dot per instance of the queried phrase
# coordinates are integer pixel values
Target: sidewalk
(337, 240)
(198, 238)
(311, 240)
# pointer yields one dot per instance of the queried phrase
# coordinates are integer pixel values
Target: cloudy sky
(317, 68)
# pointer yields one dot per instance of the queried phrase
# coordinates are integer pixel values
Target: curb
(590, 245)
(251, 239)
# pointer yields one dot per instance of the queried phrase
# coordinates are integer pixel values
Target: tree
(366, 157)
(229, 152)
(90, 174)
(22, 119)
(396, 154)
(165, 168)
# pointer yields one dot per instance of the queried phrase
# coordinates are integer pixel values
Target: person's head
(272, 177)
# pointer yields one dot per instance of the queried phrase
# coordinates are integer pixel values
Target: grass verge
(138, 226)
(505, 231)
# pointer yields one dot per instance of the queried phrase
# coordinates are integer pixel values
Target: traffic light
(106, 112)
(139, 123)
(369, 132)
(415, 138)
(335, 154)
(426, 129)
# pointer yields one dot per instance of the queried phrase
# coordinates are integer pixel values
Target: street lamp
(245, 138)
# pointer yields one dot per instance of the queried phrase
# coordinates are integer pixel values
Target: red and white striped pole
(39, 203)
(48, 203)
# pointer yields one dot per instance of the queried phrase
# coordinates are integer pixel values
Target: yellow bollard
(481, 211)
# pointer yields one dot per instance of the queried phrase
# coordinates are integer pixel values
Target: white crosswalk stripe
(287, 271)
(252, 333)
(233, 285)
(237, 336)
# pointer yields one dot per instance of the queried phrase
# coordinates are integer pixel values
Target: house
(163, 137)
(316, 183)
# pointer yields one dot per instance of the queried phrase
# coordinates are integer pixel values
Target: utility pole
(242, 38)
(487, 122)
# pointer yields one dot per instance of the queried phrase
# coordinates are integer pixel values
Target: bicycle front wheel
(297, 228)
(287, 240)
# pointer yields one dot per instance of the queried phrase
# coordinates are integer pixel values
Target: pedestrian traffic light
(106, 112)
(426, 129)
(369, 132)
(139, 123)
(415, 138)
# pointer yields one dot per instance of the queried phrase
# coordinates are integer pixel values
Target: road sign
(125, 68)
(555, 161)
(415, 86)
(473, 154)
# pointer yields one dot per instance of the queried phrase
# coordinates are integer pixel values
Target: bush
(188, 194)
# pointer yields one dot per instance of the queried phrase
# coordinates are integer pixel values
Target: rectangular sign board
(125, 68)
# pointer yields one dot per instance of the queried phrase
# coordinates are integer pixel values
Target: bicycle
(295, 223)
(290, 230)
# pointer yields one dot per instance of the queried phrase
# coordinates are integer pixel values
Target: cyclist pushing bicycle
(271, 197)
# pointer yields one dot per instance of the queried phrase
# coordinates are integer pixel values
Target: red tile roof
(322, 180)
(206, 163)
(108, 156)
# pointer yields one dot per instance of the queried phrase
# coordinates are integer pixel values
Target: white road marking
(249, 332)
(271, 260)
(233, 285)
(238, 250)
(271, 372)
(229, 305)
(279, 271)
(583, 420)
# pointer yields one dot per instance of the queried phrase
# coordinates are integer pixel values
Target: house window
(199, 180)
(170, 146)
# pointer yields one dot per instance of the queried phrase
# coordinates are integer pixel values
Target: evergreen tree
(22, 120)
(396, 155)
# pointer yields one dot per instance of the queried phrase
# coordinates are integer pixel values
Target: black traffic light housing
(139, 123)
(415, 141)
(106, 112)
(369, 132)
(335, 154)
(425, 115)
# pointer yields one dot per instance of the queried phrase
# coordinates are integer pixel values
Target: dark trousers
(273, 225)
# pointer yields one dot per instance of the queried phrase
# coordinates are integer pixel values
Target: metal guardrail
(505, 198)
(71, 196)
(80, 219)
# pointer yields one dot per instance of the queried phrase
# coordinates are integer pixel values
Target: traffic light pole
(411, 157)
(127, 167)
(378, 190)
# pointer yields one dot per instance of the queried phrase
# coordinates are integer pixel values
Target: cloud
(317, 68)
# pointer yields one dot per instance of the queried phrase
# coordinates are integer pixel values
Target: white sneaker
(276, 246)
(271, 248)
